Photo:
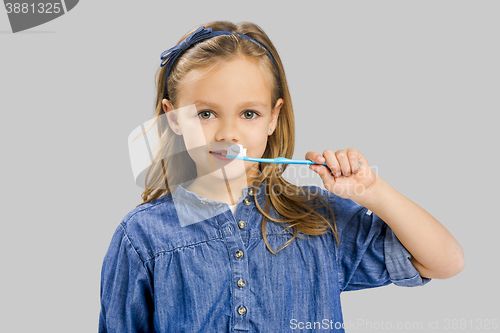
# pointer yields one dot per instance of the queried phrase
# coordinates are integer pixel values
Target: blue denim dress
(215, 273)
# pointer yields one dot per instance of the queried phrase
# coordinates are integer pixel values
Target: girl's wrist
(374, 195)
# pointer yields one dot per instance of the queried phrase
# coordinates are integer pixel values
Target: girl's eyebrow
(242, 105)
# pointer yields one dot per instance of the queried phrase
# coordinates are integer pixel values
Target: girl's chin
(230, 169)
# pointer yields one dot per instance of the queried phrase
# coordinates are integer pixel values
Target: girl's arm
(435, 252)
(127, 303)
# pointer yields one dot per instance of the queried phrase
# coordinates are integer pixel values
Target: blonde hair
(297, 210)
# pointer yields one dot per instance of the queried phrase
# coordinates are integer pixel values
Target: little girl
(225, 245)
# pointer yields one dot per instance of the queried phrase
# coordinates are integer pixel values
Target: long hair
(296, 209)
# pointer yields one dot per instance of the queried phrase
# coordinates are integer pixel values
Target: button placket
(234, 242)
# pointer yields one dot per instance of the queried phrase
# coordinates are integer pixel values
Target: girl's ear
(171, 116)
(275, 114)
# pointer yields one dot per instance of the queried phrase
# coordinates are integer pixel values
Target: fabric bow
(173, 53)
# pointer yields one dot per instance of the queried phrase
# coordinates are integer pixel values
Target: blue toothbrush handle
(284, 160)
(278, 160)
(290, 161)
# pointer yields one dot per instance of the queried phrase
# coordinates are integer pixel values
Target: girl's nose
(227, 132)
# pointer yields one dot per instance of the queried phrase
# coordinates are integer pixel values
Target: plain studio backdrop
(413, 85)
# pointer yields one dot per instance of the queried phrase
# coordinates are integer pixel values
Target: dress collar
(191, 208)
(182, 194)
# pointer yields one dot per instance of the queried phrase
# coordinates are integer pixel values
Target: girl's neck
(228, 192)
(223, 190)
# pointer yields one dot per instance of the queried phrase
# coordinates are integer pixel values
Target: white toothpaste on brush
(236, 150)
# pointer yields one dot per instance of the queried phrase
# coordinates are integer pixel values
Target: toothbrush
(237, 152)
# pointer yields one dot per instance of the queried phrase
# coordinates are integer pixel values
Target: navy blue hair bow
(173, 53)
(169, 56)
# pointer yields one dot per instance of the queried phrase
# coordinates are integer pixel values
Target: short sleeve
(370, 255)
(397, 260)
(126, 289)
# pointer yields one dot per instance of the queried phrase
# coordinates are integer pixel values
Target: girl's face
(227, 106)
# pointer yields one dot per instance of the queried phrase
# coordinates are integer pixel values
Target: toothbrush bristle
(234, 150)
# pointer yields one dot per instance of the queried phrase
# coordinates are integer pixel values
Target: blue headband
(170, 56)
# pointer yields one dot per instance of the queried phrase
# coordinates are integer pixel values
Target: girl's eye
(246, 113)
(204, 113)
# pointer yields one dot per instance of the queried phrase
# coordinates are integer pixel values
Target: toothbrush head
(236, 150)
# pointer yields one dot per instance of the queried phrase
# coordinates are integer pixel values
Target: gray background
(413, 85)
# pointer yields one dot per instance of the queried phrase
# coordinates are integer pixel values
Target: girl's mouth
(219, 154)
